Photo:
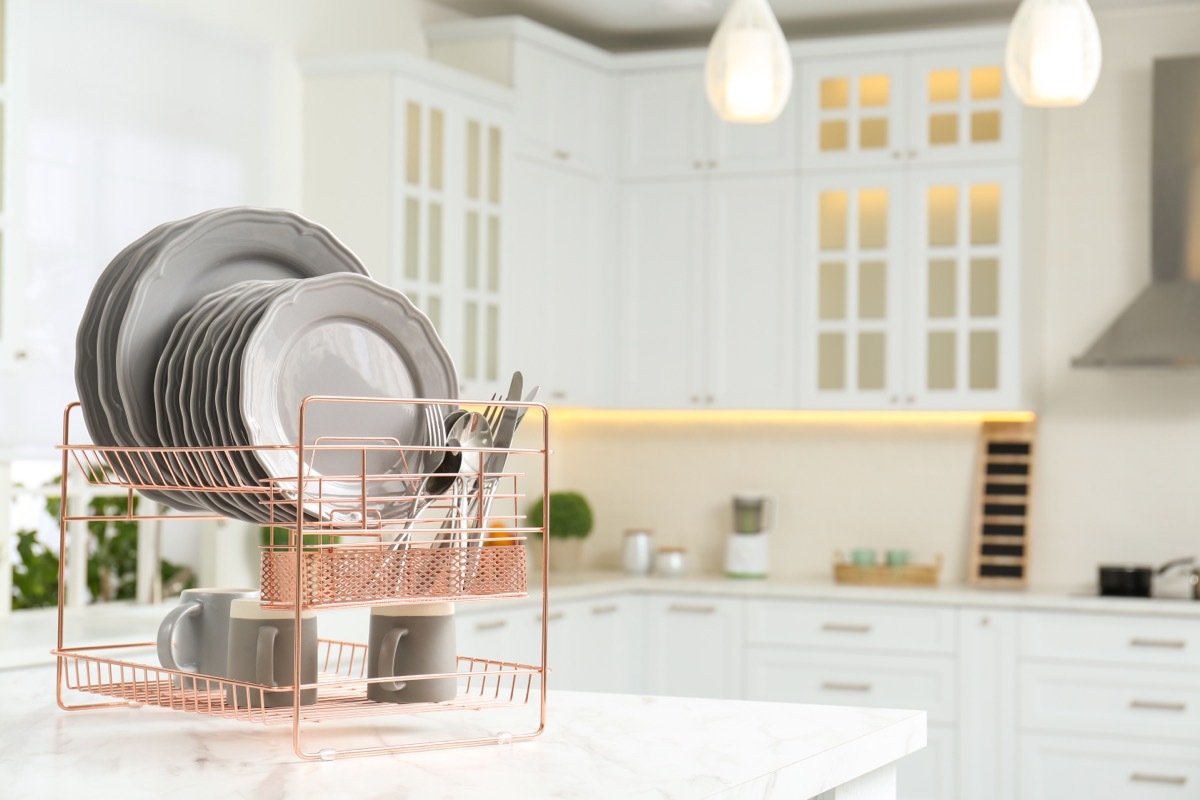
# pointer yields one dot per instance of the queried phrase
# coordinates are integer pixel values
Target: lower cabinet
(693, 646)
(1056, 767)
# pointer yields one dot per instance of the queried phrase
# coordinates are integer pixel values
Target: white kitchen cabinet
(14, 34)
(1054, 767)
(567, 292)
(693, 646)
(910, 283)
(917, 104)
(987, 688)
(668, 129)
(706, 278)
(420, 192)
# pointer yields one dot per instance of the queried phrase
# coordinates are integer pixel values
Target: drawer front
(1112, 638)
(853, 626)
(1133, 702)
(840, 679)
(1053, 768)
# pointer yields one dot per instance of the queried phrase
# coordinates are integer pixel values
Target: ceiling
(640, 24)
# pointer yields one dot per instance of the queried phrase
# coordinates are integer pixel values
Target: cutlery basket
(362, 539)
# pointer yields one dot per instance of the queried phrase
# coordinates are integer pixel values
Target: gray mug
(262, 650)
(194, 636)
(408, 640)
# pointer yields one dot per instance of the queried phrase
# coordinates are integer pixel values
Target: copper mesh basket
(350, 575)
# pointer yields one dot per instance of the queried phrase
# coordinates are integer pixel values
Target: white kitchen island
(595, 746)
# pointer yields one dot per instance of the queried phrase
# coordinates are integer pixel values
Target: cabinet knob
(912, 153)
(894, 399)
(712, 164)
(910, 399)
(697, 165)
(710, 399)
(897, 154)
(985, 621)
(559, 395)
(562, 155)
(695, 399)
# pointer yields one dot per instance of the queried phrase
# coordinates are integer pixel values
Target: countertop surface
(594, 746)
(26, 637)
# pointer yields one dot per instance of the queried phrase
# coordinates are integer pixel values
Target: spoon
(473, 430)
(441, 478)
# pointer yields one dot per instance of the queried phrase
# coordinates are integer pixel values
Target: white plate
(218, 250)
(340, 335)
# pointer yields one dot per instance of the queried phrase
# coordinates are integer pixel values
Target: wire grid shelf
(341, 686)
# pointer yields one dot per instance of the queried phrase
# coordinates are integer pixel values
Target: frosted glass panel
(873, 90)
(873, 134)
(943, 129)
(435, 242)
(943, 86)
(985, 287)
(412, 238)
(941, 360)
(943, 216)
(412, 140)
(985, 126)
(493, 254)
(492, 367)
(831, 295)
(834, 135)
(472, 255)
(943, 288)
(471, 334)
(872, 361)
(494, 164)
(831, 361)
(833, 220)
(473, 154)
(835, 93)
(985, 360)
(872, 290)
(986, 83)
(437, 145)
(985, 213)
(872, 218)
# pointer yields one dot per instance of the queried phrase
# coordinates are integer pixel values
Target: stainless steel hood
(1161, 327)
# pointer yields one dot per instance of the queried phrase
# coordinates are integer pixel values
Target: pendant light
(748, 74)
(1053, 53)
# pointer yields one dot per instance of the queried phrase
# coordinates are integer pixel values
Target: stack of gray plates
(211, 331)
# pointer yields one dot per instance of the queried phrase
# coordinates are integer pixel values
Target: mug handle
(166, 631)
(387, 658)
(264, 663)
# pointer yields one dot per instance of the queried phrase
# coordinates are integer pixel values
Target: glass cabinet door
(962, 108)
(851, 331)
(854, 112)
(963, 325)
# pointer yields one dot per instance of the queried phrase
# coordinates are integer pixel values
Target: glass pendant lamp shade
(1053, 53)
(748, 74)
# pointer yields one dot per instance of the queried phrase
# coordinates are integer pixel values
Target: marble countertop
(584, 584)
(594, 746)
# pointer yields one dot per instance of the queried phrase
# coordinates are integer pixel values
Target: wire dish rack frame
(356, 537)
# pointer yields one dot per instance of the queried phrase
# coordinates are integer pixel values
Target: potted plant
(569, 524)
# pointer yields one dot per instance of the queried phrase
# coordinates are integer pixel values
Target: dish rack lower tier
(341, 686)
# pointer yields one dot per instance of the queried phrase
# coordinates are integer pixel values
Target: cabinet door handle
(553, 616)
(1168, 644)
(712, 164)
(492, 625)
(835, 627)
(559, 395)
(683, 608)
(834, 686)
(605, 609)
(697, 165)
(1158, 705)
(562, 155)
(710, 399)
(1147, 777)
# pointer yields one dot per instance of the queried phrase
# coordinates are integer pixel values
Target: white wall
(1119, 472)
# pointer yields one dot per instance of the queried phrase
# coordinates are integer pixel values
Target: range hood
(1161, 327)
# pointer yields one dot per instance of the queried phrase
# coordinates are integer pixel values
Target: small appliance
(746, 547)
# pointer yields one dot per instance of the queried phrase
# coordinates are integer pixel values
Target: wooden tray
(884, 575)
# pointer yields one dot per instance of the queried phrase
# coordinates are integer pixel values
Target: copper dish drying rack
(342, 553)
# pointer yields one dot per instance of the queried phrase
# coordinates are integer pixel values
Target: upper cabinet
(564, 109)
(410, 163)
(920, 106)
(668, 129)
